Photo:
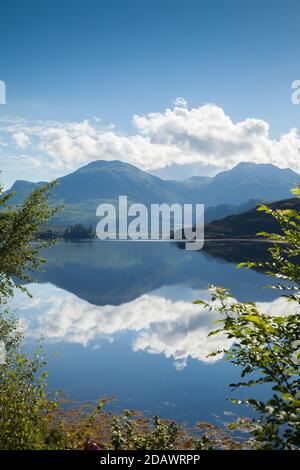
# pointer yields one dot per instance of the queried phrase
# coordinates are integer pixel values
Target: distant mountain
(181, 172)
(223, 210)
(107, 180)
(249, 223)
(264, 182)
(22, 188)
(197, 181)
(103, 181)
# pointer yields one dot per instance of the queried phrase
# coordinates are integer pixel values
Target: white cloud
(180, 102)
(159, 323)
(202, 135)
(178, 329)
(22, 140)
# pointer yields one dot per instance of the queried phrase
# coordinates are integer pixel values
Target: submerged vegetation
(266, 348)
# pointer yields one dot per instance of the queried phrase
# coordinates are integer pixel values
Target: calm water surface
(120, 319)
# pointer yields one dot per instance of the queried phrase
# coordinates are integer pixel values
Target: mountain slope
(103, 181)
(249, 223)
(22, 188)
(223, 210)
(108, 180)
(264, 182)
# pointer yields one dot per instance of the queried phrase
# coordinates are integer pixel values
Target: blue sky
(67, 61)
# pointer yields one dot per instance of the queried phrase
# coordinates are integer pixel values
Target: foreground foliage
(267, 348)
(19, 256)
(24, 404)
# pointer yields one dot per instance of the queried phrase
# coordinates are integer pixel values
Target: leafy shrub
(25, 408)
(267, 348)
(126, 436)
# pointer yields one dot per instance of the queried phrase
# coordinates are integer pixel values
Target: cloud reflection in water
(158, 322)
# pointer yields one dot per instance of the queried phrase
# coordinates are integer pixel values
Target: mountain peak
(97, 165)
(253, 165)
(257, 166)
(262, 170)
(23, 184)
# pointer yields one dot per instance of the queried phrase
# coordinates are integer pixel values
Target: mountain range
(229, 192)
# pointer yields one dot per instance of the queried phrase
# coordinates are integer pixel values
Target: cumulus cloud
(178, 329)
(203, 135)
(22, 140)
(179, 101)
(159, 324)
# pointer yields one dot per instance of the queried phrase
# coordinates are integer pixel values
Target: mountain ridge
(103, 181)
(248, 224)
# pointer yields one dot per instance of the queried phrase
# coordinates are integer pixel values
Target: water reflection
(121, 318)
(162, 322)
(115, 273)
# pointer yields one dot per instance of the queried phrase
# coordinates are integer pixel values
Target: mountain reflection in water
(121, 318)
